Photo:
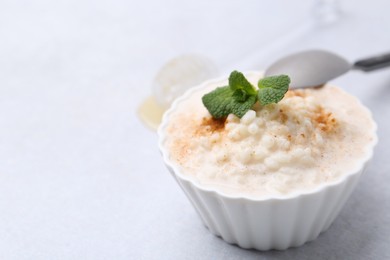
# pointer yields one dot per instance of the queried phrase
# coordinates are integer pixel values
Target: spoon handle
(373, 63)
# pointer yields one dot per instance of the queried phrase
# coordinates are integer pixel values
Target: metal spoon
(316, 67)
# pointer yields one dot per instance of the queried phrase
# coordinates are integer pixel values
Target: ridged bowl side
(269, 224)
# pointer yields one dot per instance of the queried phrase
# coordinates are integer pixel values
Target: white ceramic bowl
(263, 224)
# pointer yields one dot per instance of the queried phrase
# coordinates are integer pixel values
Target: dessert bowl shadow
(265, 223)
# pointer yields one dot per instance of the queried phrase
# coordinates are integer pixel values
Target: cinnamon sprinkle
(210, 125)
(324, 120)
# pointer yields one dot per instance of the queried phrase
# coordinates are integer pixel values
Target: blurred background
(81, 176)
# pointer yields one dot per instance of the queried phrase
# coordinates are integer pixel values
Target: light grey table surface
(81, 177)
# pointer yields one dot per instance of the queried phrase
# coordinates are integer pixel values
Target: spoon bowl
(310, 68)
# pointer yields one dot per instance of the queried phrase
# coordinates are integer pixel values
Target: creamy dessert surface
(311, 137)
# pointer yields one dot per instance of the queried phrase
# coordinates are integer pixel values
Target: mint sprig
(240, 95)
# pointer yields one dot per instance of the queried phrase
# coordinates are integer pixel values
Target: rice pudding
(310, 138)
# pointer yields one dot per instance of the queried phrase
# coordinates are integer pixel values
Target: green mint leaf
(224, 101)
(237, 80)
(272, 89)
(240, 95)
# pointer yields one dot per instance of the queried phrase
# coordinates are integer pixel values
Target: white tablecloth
(81, 177)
